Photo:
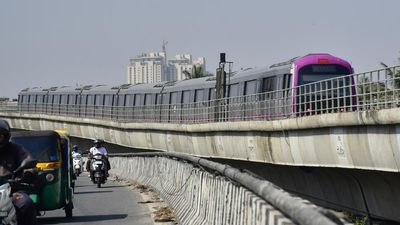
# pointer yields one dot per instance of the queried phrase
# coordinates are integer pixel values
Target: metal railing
(378, 89)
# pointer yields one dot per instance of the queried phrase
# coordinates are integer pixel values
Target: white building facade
(147, 68)
(153, 67)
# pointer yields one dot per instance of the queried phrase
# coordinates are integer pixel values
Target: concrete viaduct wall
(362, 140)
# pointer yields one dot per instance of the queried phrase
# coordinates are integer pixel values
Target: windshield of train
(315, 73)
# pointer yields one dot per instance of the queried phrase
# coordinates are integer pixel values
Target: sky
(46, 43)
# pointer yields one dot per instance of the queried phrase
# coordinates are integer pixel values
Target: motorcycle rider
(98, 148)
(75, 151)
(11, 157)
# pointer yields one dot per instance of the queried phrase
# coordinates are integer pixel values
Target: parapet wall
(200, 197)
(361, 140)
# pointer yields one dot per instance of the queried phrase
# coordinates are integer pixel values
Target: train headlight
(323, 61)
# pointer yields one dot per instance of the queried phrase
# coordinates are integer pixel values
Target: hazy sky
(53, 43)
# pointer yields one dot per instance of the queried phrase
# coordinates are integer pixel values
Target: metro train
(287, 84)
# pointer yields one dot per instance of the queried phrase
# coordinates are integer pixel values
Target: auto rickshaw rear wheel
(68, 210)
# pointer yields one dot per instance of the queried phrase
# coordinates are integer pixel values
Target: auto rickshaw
(50, 149)
(66, 144)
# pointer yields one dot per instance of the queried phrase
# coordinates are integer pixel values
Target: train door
(201, 106)
(250, 99)
(120, 106)
(138, 103)
(149, 108)
(233, 106)
(174, 107)
(268, 98)
(187, 106)
(108, 103)
(64, 109)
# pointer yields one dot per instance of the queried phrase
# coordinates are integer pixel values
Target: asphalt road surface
(113, 203)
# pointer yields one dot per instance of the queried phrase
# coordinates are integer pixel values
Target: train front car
(322, 84)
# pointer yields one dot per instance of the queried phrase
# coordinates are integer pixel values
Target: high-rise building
(154, 67)
(183, 65)
(147, 68)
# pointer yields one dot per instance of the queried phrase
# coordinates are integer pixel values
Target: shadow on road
(90, 192)
(90, 218)
(114, 186)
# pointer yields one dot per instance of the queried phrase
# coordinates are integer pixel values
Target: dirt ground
(161, 213)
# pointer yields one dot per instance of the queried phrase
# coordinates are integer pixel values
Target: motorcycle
(77, 162)
(98, 170)
(8, 215)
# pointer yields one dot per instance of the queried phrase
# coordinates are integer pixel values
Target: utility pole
(220, 85)
(220, 88)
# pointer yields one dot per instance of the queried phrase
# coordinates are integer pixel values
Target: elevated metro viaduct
(348, 161)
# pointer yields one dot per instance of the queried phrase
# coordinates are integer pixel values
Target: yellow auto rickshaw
(51, 150)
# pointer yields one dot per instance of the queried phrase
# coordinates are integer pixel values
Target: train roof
(140, 88)
(195, 83)
(321, 58)
(98, 89)
(61, 90)
(33, 90)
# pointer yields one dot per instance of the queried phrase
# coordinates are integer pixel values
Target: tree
(4, 99)
(393, 74)
(196, 72)
(393, 86)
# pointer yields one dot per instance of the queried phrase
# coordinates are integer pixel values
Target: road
(113, 203)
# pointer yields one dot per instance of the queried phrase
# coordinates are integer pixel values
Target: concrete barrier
(201, 193)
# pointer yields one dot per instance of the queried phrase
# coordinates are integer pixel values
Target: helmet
(4, 130)
(98, 141)
(75, 148)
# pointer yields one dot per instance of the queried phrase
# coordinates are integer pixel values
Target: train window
(199, 95)
(90, 100)
(121, 100)
(250, 87)
(83, 99)
(56, 99)
(287, 80)
(314, 73)
(72, 100)
(64, 99)
(39, 99)
(138, 99)
(50, 99)
(130, 100)
(148, 99)
(269, 84)
(165, 98)
(108, 100)
(185, 96)
(174, 98)
(234, 90)
(99, 100)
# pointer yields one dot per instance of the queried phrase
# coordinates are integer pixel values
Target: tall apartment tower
(147, 68)
(182, 64)
(154, 67)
